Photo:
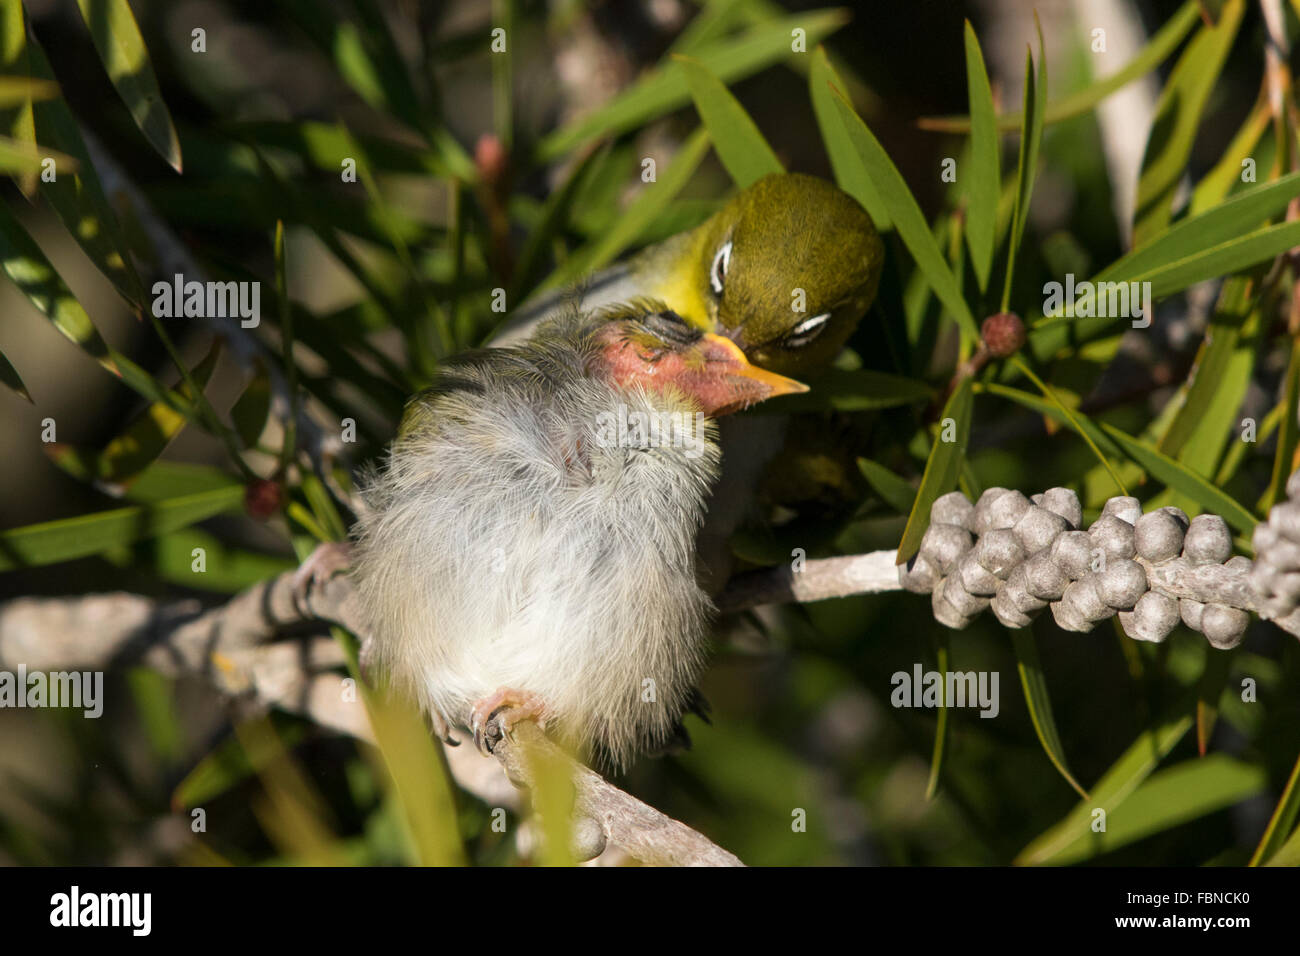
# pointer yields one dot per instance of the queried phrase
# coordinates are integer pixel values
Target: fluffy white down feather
(507, 548)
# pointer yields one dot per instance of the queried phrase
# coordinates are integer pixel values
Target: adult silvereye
(785, 270)
(529, 551)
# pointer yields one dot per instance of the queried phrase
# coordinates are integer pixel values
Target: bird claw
(329, 558)
(493, 717)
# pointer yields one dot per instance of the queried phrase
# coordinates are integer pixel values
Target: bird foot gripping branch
(1016, 556)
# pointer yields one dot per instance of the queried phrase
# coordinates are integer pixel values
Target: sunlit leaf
(11, 379)
(1127, 773)
(1177, 119)
(736, 139)
(1031, 139)
(907, 217)
(1166, 40)
(984, 180)
(941, 469)
(664, 89)
(53, 541)
(122, 51)
(1039, 703)
(850, 173)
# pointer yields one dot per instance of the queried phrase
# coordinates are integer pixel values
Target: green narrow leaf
(1184, 792)
(78, 196)
(1223, 259)
(1219, 181)
(250, 411)
(1134, 766)
(415, 770)
(1281, 822)
(25, 263)
(664, 89)
(122, 51)
(940, 750)
(1177, 119)
(127, 455)
(1288, 437)
(736, 138)
(1031, 138)
(151, 692)
(1166, 40)
(17, 119)
(557, 208)
(984, 181)
(1219, 380)
(1209, 689)
(907, 217)
(941, 469)
(1182, 479)
(852, 390)
(1228, 221)
(653, 199)
(893, 490)
(10, 377)
(229, 763)
(850, 174)
(54, 541)
(1040, 703)
(1073, 418)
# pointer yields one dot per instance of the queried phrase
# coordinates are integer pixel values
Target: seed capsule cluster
(1275, 578)
(1019, 555)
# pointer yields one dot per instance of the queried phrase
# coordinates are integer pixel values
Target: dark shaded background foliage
(800, 695)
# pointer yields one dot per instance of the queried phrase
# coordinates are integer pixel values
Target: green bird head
(785, 270)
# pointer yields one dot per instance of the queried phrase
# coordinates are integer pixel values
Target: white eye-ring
(806, 331)
(718, 271)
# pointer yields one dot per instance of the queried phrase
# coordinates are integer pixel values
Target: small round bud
(1209, 541)
(919, 575)
(1072, 553)
(999, 508)
(1038, 528)
(1044, 578)
(587, 839)
(965, 603)
(262, 498)
(999, 552)
(1083, 598)
(1153, 618)
(490, 159)
(1068, 619)
(1016, 592)
(974, 578)
(945, 613)
(1224, 626)
(1159, 536)
(1285, 556)
(1263, 538)
(1293, 486)
(1124, 508)
(944, 544)
(1003, 334)
(1007, 613)
(1064, 502)
(1190, 611)
(953, 508)
(1113, 535)
(1285, 520)
(1122, 584)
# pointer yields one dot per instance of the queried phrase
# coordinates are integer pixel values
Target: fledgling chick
(530, 547)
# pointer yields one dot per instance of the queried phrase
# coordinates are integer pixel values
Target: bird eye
(718, 272)
(806, 331)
